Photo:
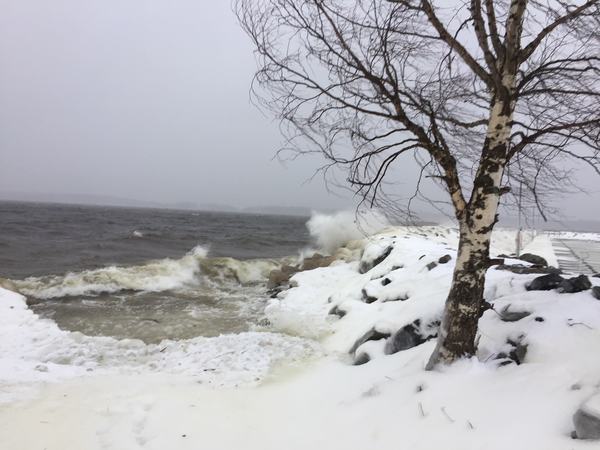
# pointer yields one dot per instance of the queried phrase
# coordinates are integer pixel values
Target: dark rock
(279, 277)
(575, 284)
(367, 298)
(522, 270)
(365, 266)
(371, 335)
(587, 422)
(274, 292)
(503, 359)
(533, 259)
(596, 276)
(408, 337)
(519, 351)
(386, 281)
(539, 319)
(515, 355)
(444, 259)
(397, 267)
(421, 257)
(596, 292)
(316, 261)
(545, 282)
(512, 316)
(432, 265)
(337, 311)
(361, 359)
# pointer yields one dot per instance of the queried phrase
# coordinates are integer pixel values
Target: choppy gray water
(142, 273)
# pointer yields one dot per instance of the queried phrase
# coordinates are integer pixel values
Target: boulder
(316, 261)
(512, 316)
(386, 281)
(504, 255)
(367, 298)
(275, 291)
(337, 311)
(371, 335)
(533, 259)
(366, 265)
(279, 277)
(444, 259)
(575, 284)
(587, 419)
(523, 270)
(361, 359)
(432, 265)
(519, 351)
(407, 337)
(545, 282)
(516, 354)
(596, 292)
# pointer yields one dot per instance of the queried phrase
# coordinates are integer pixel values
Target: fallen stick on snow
(443, 408)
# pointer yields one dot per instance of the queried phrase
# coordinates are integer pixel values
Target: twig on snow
(443, 409)
(421, 410)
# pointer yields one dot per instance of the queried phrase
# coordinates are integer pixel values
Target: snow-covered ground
(295, 386)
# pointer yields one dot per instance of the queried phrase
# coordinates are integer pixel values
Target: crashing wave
(330, 232)
(156, 276)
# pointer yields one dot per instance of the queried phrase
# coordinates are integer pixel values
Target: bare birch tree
(484, 94)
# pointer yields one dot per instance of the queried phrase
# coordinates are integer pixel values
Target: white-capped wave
(137, 234)
(161, 275)
(193, 269)
(331, 231)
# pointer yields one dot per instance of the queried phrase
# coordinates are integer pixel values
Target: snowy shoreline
(295, 385)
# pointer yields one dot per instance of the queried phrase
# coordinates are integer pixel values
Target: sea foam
(191, 270)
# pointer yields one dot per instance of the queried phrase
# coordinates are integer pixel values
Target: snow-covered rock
(587, 419)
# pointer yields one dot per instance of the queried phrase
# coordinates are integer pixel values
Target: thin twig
(421, 410)
(443, 408)
(572, 324)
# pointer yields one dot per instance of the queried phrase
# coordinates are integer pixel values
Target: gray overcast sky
(145, 99)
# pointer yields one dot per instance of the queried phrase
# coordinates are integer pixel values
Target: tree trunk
(464, 305)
